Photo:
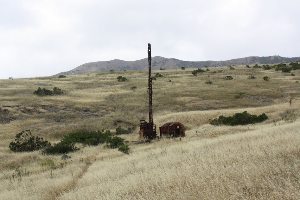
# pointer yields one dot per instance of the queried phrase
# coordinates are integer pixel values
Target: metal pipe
(150, 86)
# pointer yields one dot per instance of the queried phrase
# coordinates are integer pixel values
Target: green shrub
(46, 92)
(197, 71)
(256, 66)
(266, 67)
(133, 88)
(182, 68)
(43, 92)
(266, 78)
(286, 69)
(25, 141)
(61, 76)
(209, 82)
(231, 68)
(124, 148)
(228, 77)
(87, 137)
(115, 142)
(122, 79)
(158, 75)
(295, 66)
(239, 119)
(60, 148)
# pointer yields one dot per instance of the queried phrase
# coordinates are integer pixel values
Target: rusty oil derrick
(148, 129)
(150, 86)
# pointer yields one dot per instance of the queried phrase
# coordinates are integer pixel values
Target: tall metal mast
(150, 86)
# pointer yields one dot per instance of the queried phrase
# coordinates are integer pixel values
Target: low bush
(295, 65)
(197, 71)
(228, 77)
(25, 141)
(286, 69)
(239, 119)
(124, 148)
(46, 92)
(133, 88)
(209, 82)
(122, 79)
(60, 148)
(62, 76)
(158, 75)
(266, 78)
(94, 138)
(115, 142)
(182, 68)
(87, 137)
(267, 67)
(256, 66)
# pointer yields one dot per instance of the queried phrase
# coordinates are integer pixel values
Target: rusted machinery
(172, 129)
(148, 129)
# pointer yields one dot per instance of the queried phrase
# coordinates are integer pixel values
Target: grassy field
(259, 161)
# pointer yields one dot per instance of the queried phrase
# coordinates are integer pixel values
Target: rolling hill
(167, 63)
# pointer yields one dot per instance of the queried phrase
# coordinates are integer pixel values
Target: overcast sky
(44, 37)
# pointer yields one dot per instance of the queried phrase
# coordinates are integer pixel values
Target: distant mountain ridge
(172, 63)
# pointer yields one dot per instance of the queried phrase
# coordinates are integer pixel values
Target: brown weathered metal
(172, 129)
(148, 129)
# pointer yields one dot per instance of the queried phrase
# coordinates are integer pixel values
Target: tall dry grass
(243, 162)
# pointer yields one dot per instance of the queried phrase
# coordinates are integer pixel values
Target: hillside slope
(168, 63)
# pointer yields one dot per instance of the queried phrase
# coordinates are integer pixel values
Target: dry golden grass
(213, 162)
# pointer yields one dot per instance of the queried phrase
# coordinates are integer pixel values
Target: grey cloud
(45, 37)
